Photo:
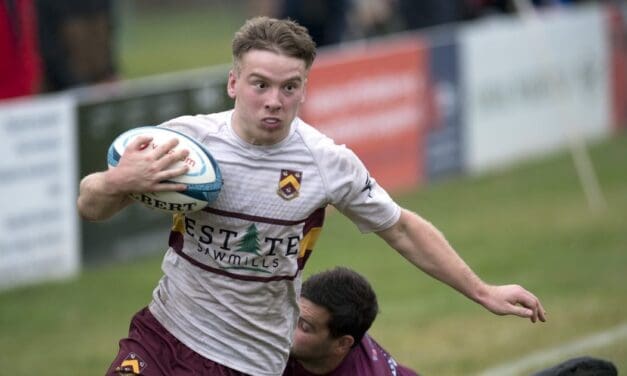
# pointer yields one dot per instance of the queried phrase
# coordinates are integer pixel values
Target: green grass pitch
(528, 225)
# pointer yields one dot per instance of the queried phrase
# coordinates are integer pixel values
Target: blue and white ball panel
(203, 178)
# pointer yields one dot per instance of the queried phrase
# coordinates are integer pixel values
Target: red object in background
(373, 99)
(618, 65)
(20, 68)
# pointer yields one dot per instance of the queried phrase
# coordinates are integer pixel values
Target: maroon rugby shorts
(151, 350)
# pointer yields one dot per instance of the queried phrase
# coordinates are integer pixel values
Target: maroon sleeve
(370, 356)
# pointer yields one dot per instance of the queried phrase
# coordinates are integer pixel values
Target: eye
(259, 85)
(290, 87)
(304, 326)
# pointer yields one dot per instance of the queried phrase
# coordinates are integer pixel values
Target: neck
(240, 131)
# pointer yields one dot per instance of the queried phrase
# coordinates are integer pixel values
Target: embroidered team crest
(289, 184)
(131, 365)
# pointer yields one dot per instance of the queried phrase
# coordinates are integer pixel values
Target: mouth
(271, 122)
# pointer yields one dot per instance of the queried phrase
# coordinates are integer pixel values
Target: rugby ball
(203, 179)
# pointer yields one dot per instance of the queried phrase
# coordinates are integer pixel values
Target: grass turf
(528, 225)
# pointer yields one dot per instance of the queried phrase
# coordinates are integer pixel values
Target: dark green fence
(108, 110)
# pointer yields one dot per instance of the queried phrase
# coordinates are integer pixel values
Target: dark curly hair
(349, 298)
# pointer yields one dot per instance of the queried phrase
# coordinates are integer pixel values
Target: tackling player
(337, 307)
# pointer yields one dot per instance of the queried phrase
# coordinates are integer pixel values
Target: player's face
(312, 340)
(268, 89)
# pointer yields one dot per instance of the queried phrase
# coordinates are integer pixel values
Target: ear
(344, 344)
(230, 85)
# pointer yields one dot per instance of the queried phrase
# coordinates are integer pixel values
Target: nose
(273, 100)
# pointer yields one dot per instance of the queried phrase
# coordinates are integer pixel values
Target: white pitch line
(559, 353)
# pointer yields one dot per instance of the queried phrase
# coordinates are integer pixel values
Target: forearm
(425, 246)
(97, 200)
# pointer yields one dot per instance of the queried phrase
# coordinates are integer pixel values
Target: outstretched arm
(424, 246)
(102, 194)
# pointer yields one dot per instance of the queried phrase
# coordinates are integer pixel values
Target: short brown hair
(284, 37)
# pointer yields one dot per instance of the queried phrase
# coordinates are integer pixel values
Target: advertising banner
(532, 85)
(617, 25)
(38, 220)
(372, 98)
(444, 134)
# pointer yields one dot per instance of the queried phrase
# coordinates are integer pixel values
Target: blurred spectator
(368, 18)
(331, 22)
(543, 3)
(20, 70)
(77, 42)
(479, 8)
(268, 8)
(426, 13)
(325, 19)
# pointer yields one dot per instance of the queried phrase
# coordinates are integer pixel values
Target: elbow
(86, 212)
(85, 215)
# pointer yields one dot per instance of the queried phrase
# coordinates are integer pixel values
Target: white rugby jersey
(232, 274)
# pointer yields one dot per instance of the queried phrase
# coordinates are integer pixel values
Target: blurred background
(503, 122)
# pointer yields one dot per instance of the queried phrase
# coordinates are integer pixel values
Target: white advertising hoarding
(38, 175)
(529, 85)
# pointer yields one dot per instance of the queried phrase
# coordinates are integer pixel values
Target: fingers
(166, 164)
(523, 312)
(529, 306)
(166, 156)
(541, 312)
(515, 300)
(147, 166)
(140, 142)
(538, 311)
(163, 155)
(168, 160)
(165, 148)
(171, 173)
(531, 313)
